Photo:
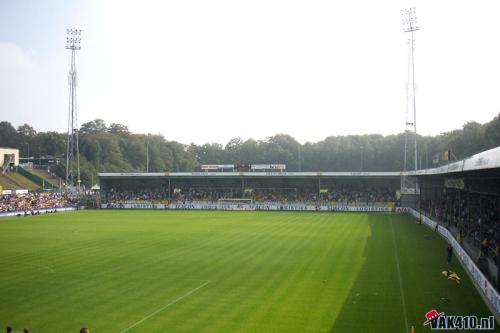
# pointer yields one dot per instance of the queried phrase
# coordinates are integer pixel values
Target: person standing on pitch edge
(449, 251)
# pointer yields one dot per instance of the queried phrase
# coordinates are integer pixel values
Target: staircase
(6, 163)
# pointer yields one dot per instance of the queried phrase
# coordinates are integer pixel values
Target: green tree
(8, 135)
(93, 127)
(119, 129)
(116, 149)
(492, 133)
(50, 143)
(26, 130)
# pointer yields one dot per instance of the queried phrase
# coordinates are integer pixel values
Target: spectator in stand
(341, 195)
(484, 247)
(33, 201)
(473, 216)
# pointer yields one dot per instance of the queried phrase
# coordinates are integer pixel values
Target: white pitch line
(165, 306)
(194, 280)
(399, 276)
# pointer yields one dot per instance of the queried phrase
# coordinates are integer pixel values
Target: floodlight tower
(73, 43)
(410, 25)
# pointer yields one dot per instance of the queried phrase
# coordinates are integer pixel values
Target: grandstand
(273, 189)
(464, 196)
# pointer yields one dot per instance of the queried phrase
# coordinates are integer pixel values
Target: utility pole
(147, 154)
(73, 43)
(299, 158)
(362, 157)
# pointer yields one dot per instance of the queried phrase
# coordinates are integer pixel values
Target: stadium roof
(248, 174)
(489, 159)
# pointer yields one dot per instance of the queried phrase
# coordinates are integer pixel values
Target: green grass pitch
(187, 271)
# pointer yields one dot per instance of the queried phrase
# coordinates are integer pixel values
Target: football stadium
(259, 250)
(354, 224)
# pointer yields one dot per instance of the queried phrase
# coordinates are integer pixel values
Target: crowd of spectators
(33, 201)
(367, 196)
(473, 216)
(341, 195)
(137, 195)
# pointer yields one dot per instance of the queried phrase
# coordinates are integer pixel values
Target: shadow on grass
(374, 302)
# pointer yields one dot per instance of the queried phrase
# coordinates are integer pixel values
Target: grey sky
(208, 71)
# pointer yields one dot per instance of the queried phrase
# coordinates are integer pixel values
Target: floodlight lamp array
(409, 19)
(73, 39)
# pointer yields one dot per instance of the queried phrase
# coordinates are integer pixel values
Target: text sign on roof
(216, 166)
(268, 166)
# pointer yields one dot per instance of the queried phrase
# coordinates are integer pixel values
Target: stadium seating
(343, 195)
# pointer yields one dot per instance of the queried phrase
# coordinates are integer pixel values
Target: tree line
(114, 148)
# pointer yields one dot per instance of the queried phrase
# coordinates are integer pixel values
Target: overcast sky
(207, 71)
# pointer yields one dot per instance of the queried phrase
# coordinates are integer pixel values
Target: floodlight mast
(73, 43)
(410, 25)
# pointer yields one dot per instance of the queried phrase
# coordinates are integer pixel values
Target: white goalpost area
(235, 203)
